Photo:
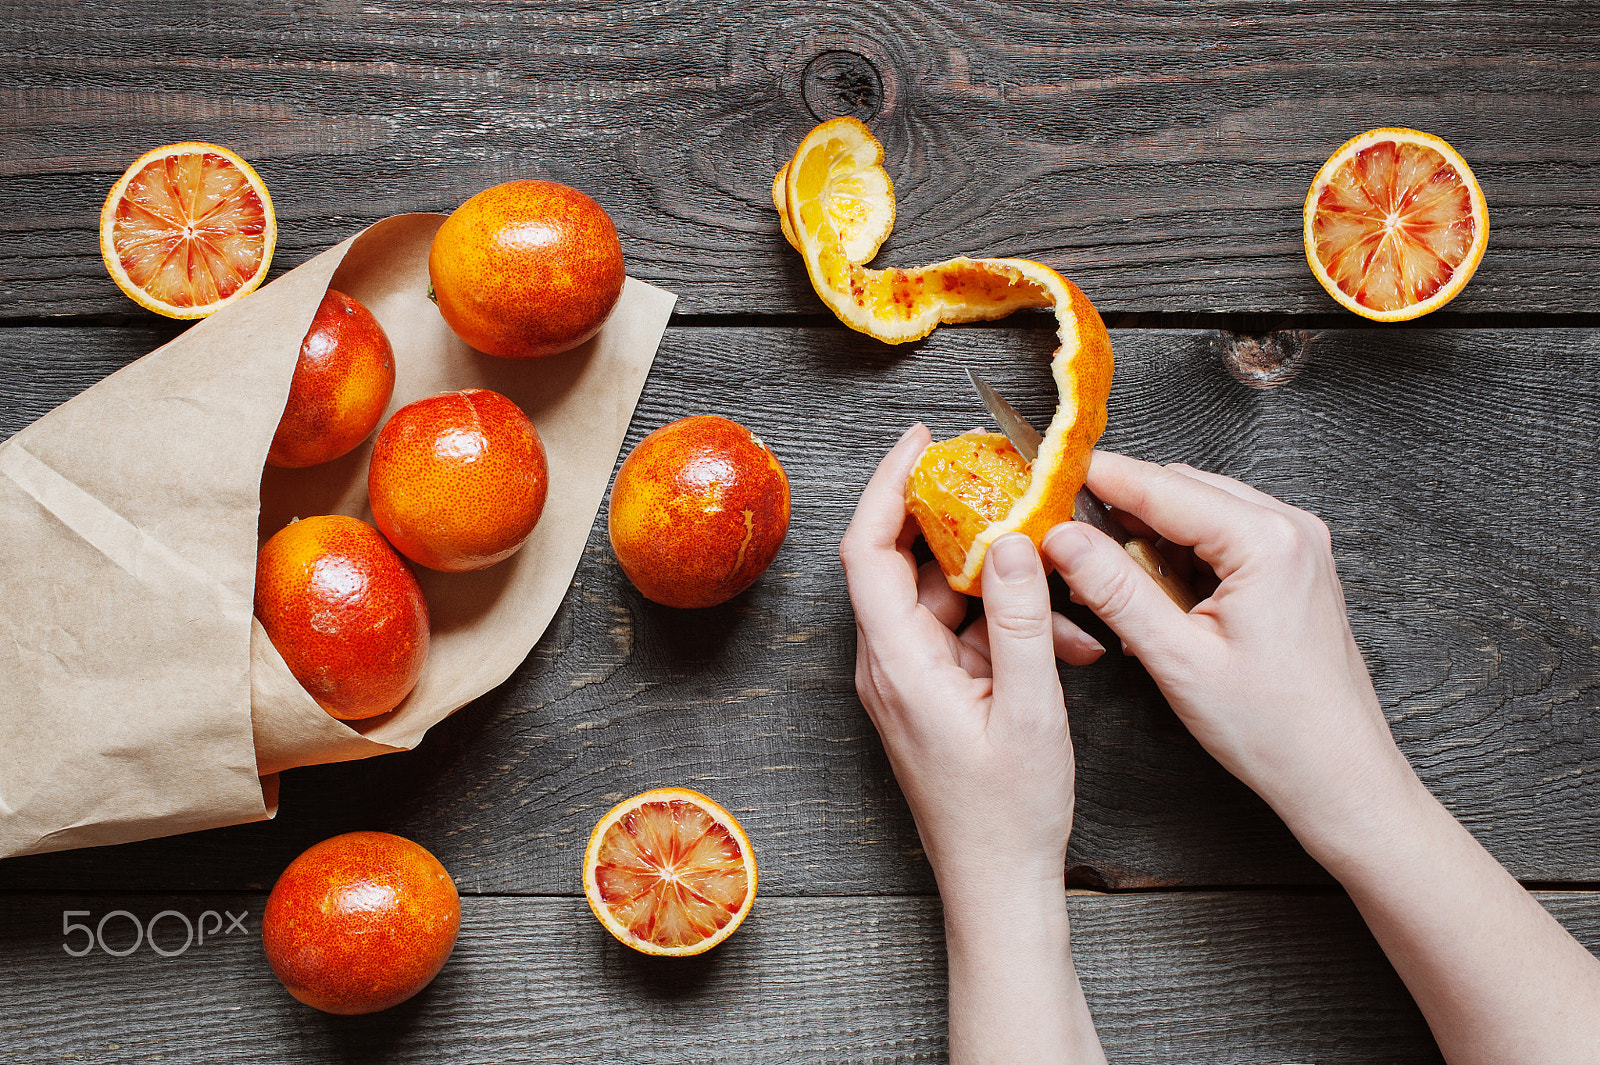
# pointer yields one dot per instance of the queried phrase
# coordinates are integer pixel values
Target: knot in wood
(838, 83)
(1265, 360)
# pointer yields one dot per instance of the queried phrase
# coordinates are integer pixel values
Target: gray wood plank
(1195, 977)
(1456, 468)
(1157, 155)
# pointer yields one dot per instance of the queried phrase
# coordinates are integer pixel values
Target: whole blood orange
(835, 204)
(341, 385)
(360, 922)
(526, 269)
(344, 612)
(698, 511)
(458, 480)
(669, 872)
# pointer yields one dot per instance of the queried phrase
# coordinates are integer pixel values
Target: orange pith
(836, 206)
(669, 872)
(187, 229)
(1394, 224)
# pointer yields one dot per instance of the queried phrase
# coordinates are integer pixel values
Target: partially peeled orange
(835, 203)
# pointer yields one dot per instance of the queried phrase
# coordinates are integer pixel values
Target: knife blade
(1086, 506)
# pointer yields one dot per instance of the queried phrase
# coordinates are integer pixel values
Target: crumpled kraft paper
(138, 696)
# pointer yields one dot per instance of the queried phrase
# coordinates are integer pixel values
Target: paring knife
(1086, 506)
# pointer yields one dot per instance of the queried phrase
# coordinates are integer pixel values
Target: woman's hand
(975, 727)
(1265, 672)
(1267, 676)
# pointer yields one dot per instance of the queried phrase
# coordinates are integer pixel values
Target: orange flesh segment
(671, 874)
(960, 487)
(1393, 224)
(189, 229)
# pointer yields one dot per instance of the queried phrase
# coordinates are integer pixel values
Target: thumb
(1106, 579)
(1016, 608)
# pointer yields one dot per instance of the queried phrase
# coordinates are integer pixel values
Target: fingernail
(1067, 544)
(1015, 559)
(906, 435)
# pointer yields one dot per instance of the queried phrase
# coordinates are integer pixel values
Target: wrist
(994, 904)
(1371, 809)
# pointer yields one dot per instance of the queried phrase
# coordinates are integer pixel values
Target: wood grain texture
(1158, 155)
(1457, 471)
(1193, 977)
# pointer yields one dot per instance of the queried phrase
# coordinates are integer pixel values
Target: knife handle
(1149, 559)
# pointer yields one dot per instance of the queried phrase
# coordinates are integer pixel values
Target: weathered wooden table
(1158, 155)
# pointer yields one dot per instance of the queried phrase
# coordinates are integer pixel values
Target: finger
(1133, 524)
(1233, 487)
(1107, 580)
(1220, 526)
(936, 595)
(875, 549)
(1071, 644)
(1016, 606)
(971, 647)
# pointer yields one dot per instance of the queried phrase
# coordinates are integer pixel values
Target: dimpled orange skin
(698, 512)
(344, 612)
(458, 480)
(360, 922)
(341, 385)
(526, 269)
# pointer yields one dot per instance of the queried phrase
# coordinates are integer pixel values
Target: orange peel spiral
(835, 203)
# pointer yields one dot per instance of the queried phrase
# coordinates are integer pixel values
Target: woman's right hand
(1265, 672)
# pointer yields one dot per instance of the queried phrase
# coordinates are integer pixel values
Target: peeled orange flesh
(1395, 224)
(188, 228)
(960, 487)
(835, 203)
(669, 872)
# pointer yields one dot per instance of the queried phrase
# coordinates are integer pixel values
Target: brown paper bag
(138, 696)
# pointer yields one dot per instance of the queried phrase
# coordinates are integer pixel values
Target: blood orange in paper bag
(344, 612)
(342, 383)
(835, 205)
(526, 269)
(458, 480)
(144, 498)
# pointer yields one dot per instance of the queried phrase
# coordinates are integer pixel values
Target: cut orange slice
(187, 229)
(669, 872)
(836, 206)
(1395, 224)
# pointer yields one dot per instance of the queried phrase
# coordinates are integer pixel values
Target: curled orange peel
(835, 203)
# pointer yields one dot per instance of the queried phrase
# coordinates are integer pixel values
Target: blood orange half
(1395, 224)
(669, 872)
(187, 229)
